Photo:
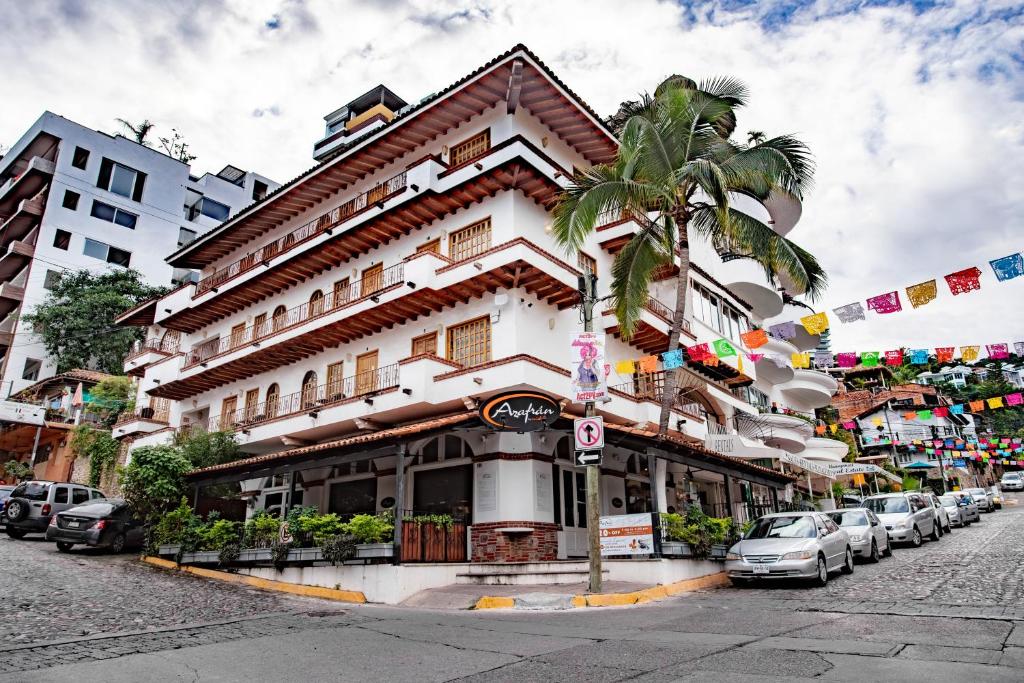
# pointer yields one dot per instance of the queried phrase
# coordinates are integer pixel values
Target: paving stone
(1013, 656)
(860, 647)
(768, 661)
(942, 653)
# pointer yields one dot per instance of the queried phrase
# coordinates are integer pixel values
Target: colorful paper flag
(885, 303)
(969, 353)
(1014, 400)
(819, 429)
(785, 331)
(823, 359)
(625, 367)
(924, 415)
(963, 281)
(1008, 267)
(877, 421)
(754, 339)
(921, 294)
(723, 348)
(869, 359)
(998, 351)
(941, 411)
(919, 356)
(816, 323)
(698, 352)
(977, 406)
(648, 364)
(957, 409)
(910, 415)
(995, 402)
(849, 424)
(894, 357)
(801, 360)
(850, 313)
(711, 360)
(672, 359)
(846, 360)
(754, 357)
(833, 428)
(944, 354)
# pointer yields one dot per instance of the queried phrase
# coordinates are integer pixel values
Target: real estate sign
(22, 413)
(627, 534)
(586, 363)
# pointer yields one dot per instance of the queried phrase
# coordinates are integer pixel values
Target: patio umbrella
(920, 465)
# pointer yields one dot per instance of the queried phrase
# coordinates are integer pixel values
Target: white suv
(33, 503)
(908, 517)
(1012, 481)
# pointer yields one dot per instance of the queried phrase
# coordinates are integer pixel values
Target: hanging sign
(520, 411)
(589, 381)
(844, 469)
(24, 413)
(627, 534)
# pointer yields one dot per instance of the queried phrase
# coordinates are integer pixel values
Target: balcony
(652, 329)
(13, 261)
(778, 430)
(27, 215)
(746, 278)
(785, 210)
(768, 369)
(141, 421)
(810, 389)
(26, 184)
(825, 450)
(11, 297)
(147, 353)
(803, 341)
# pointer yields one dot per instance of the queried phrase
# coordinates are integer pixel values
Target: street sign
(588, 458)
(589, 433)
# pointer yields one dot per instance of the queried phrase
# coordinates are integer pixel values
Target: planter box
(676, 549)
(455, 543)
(412, 545)
(202, 557)
(305, 555)
(370, 550)
(718, 551)
(168, 550)
(433, 543)
(254, 555)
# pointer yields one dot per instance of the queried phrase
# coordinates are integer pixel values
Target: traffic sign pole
(588, 296)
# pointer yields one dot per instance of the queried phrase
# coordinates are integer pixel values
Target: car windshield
(849, 518)
(977, 492)
(783, 527)
(32, 490)
(947, 501)
(1011, 477)
(886, 506)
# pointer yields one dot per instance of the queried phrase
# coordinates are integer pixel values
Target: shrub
(21, 471)
(371, 528)
(319, 527)
(154, 479)
(217, 534)
(261, 531)
(204, 449)
(229, 553)
(177, 526)
(339, 548)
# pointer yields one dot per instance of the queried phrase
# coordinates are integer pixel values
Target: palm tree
(139, 131)
(674, 172)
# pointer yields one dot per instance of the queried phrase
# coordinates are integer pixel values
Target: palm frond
(732, 90)
(632, 272)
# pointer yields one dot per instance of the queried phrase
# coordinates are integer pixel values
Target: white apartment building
(73, 198)
(348, 326)
(955, 375)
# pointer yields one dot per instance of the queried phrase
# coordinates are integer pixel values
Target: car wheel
(16, 510)
(916, 540)
(875, 557)
(949, 528)
(64, 546)
(848, 564)
(822, 577)
(16, 534)
(936, 532)
(888, 547)
(117, 544)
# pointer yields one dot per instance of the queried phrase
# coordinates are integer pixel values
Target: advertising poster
(589, 374)
(627, 534)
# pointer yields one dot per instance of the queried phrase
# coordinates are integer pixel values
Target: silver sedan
(868, 537)
(790, 545)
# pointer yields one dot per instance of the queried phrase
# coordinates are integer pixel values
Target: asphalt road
(950, 611)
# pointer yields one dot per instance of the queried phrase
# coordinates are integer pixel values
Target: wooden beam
(515, 86)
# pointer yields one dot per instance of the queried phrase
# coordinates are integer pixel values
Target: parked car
(1012, 481)
(5, 493)
(868, 536)
(33, 503)
(908, 517)
(983, 498)
(968, 507)
(997, 497)
(941, 516)
(790, 545)
(100, 524)
(951, 505)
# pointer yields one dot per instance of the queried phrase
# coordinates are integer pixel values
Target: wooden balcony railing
(649, 387)
(317, 226)
(147, 413)
(167, 346)
(332, 301)
(307, 400)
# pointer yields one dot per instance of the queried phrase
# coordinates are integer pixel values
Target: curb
(619, 599)
(262, 584)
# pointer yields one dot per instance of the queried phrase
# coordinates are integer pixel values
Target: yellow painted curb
(264, 584)
(492, 602)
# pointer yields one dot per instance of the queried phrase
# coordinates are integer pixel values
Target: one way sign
(589, 437)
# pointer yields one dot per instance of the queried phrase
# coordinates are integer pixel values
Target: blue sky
(913, 109)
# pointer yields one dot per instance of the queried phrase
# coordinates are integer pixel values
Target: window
(60, 495)
(112, 214)
(259, 325)
(31, 370)
(185, 236)
(273, 394)
(340, 294)
(237, 335)
(431, 247)
(105, 252)
(426, 343)
(209, 208)
(279, 318)
(121, 180)
(79, 496)
(80, 158)
(470, 241)
(62, 239)
(334, 381)
(316, 303)
(470, 343)
(70, 200)
(470, 149)
(712, 310)
(309, 390)
(50, 281)
(259, 190)
(252, 402)
(587, 263)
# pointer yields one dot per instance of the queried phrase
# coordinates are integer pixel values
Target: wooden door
(227, 412)
(252, 401)
(373, 279)
(433, 247)
(335, 388)
(366, 372)
(425, 344)
(341, 292)
(259, 326)
(237, 335)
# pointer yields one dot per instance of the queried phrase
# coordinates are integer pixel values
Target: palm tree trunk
(668, 394)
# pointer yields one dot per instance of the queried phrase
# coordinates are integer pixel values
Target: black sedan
(103, 524)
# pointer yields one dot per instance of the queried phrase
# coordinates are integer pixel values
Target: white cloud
(915, 116)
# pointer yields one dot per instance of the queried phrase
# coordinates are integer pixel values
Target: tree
(176, 147)
(20, 471)
(674, 172)
(203, 449)
(139, 131)
(154, 479)
(75, 319)
(111, 397)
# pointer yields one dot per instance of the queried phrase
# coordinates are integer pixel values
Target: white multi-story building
(954, 375)
(73, 198)
(348, 327)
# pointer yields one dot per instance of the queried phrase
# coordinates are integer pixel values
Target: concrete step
(528, 567)
(520, 577)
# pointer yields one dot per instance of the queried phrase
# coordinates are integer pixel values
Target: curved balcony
(810, 388)
(825, 450)
(785, 210)
(778, 430)
(767, 369)
(790, 313)
(746, 278)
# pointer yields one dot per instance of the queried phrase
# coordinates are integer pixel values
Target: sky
(914, 110)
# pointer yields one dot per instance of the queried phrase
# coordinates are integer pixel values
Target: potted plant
(721, 536)
(373, 535)
(674, 542)
(173, 530)
(261, 531)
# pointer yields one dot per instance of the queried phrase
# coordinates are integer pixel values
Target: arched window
(273, 396)
(309, 390)
(316, 303)
(279, 317)
(169, 342)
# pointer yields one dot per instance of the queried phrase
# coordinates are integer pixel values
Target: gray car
(941, 516)
(951, 505)
(1012, 481)
(790, 545)
(868, 536)
(33, 503)
(983, 498)
(908, 517)
(969, 512)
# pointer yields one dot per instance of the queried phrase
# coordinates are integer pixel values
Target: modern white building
(348, 327)
(74, 198)
(955, 375)
(1014, 375)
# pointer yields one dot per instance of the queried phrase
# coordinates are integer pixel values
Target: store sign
(845, 469)
(627, 535)
(520, 411)
(806, 465)
(23, 413)
(586, 361)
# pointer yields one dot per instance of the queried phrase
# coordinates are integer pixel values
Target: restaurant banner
(627, 534)
(589, 381)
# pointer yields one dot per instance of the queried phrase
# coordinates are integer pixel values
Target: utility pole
(588, 298)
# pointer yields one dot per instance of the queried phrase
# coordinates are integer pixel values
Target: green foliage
(338, 549)
(204, 449)
(21, 471)
(319, 527)
(837, 491)
(177, 526)
(111, 397)
(154, 479)
(372, 528)
(911, 482)
(98, 446)
(261, 530)
(279, 554)
(445, 521)
(698, 530)
(218, 533)
(229, 553)
(74, 320)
